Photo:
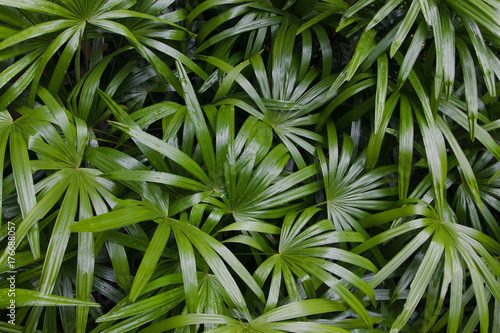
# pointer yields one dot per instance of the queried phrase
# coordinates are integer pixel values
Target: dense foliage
(250, 165)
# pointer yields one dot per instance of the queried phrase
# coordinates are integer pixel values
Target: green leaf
(115, 219)
(365, 45)
(402, 255)
(24, 183)
(198, 120)
(159, 66)
(465, 166)
(481, 52)
(448, 49)
(300, 309)
(239, 29)
(420, 282)
(382, 77)
(169, 151)
(41, 6)
(356, 8)
(189, 319)
(208, 247)
(86, 258)
(121, 268)
(188, 268)
(406, 137)
(25, 297)
(63, 120)
(240, 79)
(168, 299)
(123, 117)
(60, 237)
(43, 206)
(157, 177)
(383, 12)
(252, 226)
(405, 27)
(436, 157)
(471, 93)
(413, 52)
(299, 327)
(150, 259)
(377, 136)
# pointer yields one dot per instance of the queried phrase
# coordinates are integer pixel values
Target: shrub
(250, 166)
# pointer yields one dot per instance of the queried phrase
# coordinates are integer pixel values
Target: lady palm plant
(249, 166)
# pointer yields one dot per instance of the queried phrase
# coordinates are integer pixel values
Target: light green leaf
(115, 219)
(150, 259)
(25, 297)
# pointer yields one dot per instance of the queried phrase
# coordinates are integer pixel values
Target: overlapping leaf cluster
(250, 165)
